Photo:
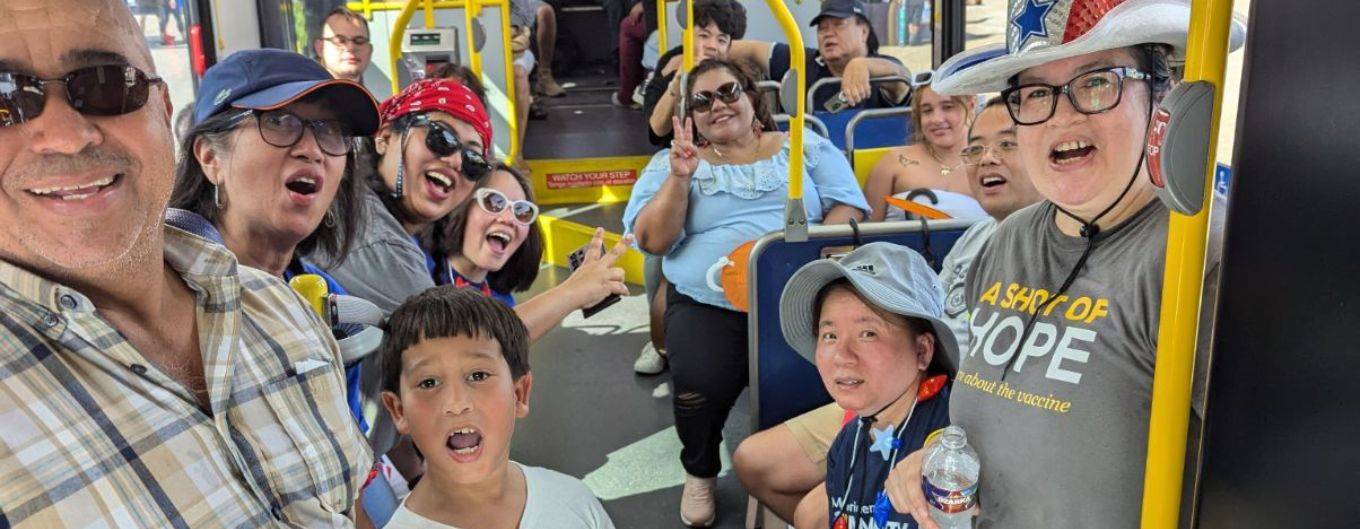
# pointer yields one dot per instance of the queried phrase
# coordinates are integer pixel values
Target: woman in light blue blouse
(723, 182)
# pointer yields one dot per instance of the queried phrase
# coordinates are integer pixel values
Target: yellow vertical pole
(661, 29)
(429, 14)
(1183, 280)
(797, 56)
(510, 87)
(688, 61)
(471, 9)
(394, 42)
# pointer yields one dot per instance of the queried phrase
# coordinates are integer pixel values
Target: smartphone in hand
(575, 260)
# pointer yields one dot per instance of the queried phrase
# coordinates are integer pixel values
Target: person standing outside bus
(1066, 296)
(149, 379)
(344, 46)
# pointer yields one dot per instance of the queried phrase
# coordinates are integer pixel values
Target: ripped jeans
(706, 346)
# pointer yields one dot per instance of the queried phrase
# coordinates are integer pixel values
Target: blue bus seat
(783, 384)
(868, 134)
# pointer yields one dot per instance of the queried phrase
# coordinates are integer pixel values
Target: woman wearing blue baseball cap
(1065, 299)
(266, 168)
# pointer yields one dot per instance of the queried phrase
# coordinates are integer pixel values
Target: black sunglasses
(441, 140)
(283, 129)
(728, 93)
(109, 90)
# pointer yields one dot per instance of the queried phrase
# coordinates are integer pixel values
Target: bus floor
(591, 417)
(585, 124)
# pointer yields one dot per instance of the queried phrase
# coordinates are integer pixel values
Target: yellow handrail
(367, 7)
(513, 109)
(470, 13)
(661, 29)
(394, 42)
(688, 59)
(796, 61)
(429, 14)
(1183, 280)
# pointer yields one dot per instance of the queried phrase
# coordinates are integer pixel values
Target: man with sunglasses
(150, 380)
(344, 47)
(1055, 387)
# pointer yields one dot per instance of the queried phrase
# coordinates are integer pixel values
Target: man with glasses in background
(148, 379)
(344, 47)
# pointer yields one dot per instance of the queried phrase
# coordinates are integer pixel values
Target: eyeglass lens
(109, 90)
(442, 141)
(1090, 93)
(284, 129)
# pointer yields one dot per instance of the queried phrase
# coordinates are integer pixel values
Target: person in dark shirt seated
(846, 48)
(718, 24)
(872, 323)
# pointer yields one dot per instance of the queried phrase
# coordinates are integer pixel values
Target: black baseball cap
(841, 9)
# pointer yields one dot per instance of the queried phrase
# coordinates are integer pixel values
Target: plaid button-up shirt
(93, 435)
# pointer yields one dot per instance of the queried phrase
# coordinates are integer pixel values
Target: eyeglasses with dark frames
(283, 129)
(1092, 92)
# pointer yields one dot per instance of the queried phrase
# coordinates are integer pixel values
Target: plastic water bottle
(950, 477)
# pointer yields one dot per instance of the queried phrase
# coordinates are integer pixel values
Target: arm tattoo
(906, 162)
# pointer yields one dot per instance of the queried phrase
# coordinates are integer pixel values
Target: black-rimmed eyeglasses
(1092, 92)
(108, 90)
(283, 129)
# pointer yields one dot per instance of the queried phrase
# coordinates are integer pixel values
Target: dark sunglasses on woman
(109, 90)
(728, 93)
(283, 129)
(441, 140)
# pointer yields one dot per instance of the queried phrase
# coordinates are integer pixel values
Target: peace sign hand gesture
(684, 155)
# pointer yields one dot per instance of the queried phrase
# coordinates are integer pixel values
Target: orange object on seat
(917, 208)
(734, 280)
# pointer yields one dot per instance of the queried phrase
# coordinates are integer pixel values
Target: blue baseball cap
(269, 79)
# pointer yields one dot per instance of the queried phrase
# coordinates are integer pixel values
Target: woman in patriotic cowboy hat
(1060, 423)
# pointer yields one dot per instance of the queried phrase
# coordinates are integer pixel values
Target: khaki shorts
(815, 430)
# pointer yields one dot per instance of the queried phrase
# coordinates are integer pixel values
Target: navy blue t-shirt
(871, 454)
(781, 56)
(446, 275)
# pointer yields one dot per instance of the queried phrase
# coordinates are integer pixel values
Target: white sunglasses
(494, 202)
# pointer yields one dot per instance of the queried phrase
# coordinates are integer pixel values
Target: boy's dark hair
(728, 15)
(445, 312)
(520, 271)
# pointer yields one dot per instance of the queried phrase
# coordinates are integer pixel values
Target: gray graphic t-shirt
(954, 276)
(1063, 437)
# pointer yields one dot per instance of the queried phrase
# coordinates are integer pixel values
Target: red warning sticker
(592, 179)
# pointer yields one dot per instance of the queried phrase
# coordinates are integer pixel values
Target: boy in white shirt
(455, 367)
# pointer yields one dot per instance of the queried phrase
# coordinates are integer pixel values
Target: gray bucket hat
(892, 277)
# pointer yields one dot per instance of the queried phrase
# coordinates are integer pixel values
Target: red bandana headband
(443, 95)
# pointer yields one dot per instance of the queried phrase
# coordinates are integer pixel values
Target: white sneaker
(649, 361)
(698, 508)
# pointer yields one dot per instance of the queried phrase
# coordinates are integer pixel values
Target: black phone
(574, 260)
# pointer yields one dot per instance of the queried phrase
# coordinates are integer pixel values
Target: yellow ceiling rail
(1183, 281)
(794, 37)
(368, 6)
(394, 42)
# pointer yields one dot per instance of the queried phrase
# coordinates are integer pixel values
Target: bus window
(986, 22)
(165, 26)
(904, 30)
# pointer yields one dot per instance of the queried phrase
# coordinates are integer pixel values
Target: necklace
(945, 170)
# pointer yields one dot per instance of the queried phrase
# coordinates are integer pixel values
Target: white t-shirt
(555, 500)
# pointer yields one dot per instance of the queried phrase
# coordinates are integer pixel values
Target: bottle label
(950, 501)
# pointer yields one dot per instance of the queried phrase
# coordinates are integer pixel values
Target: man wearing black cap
(149, 379)
(846, 48)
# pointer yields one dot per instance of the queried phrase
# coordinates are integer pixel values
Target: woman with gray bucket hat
(872, 322)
